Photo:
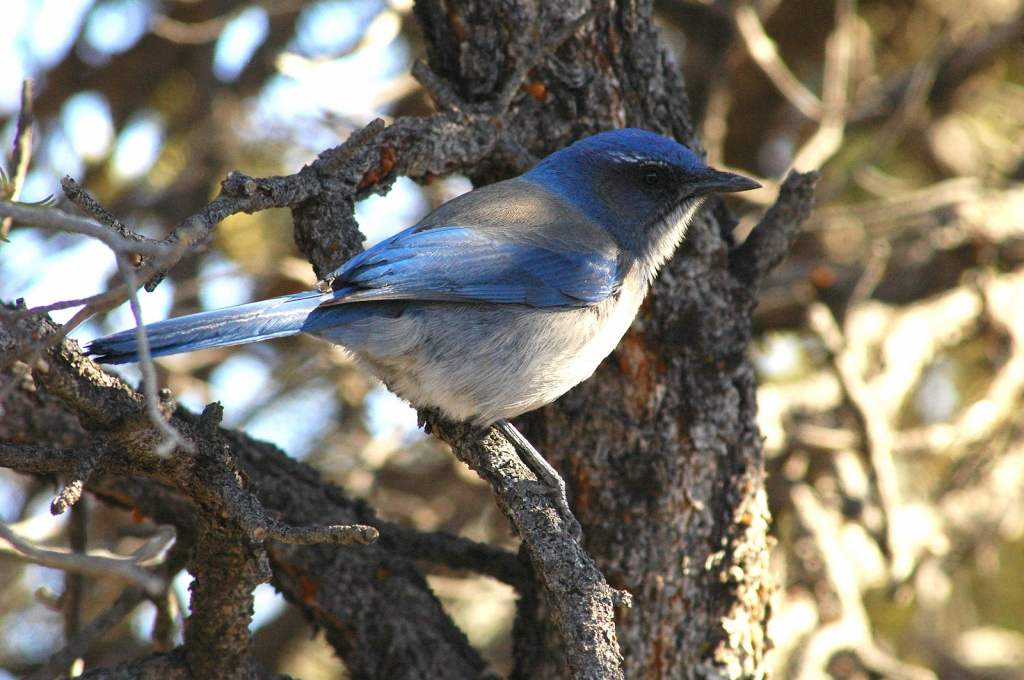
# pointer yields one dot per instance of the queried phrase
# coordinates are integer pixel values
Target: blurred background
(889, 348)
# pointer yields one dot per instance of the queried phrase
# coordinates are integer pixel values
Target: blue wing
(512, 242)
(456, 263)
(509, 243)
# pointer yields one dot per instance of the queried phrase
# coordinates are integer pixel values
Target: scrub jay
(500, 300)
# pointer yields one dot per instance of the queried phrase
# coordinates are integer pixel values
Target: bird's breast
(607, 323)
(485, 362)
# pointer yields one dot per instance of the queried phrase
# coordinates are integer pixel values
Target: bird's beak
(721, 182)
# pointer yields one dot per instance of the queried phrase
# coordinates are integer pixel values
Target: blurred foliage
(916, 245)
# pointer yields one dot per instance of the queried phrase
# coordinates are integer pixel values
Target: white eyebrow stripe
(633, 158)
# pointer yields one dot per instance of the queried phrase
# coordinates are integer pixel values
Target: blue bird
(500, 300)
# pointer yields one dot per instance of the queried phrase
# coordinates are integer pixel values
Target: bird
(498, 301)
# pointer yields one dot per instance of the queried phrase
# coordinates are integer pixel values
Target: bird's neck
(666, 235)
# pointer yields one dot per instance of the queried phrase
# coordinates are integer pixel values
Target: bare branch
(51, 218)
(764, 53)
(100, 564)
(83, 200)
(22, 153)
(201, 32)
(954, 65)
(172, 439)
(528, 60)
(31, 352)
(353, 534)
(57, 665)
(75, 583)
(778, 228)
(121, 238)
(838, 57)
(880, 216)
(456, 552)
(582, 601)
(72, 489)
(1004, 299)
(874, 420)
(441, 92)
(332, 160)
(874, 270)
(852, 631)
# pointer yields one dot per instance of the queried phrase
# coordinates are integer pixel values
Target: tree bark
(663, 457)
(660, 449)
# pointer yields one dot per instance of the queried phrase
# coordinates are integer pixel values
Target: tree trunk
(660, 449)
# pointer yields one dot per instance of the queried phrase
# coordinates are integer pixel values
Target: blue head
(642, 187)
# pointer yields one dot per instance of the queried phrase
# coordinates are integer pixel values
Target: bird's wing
(500, 244)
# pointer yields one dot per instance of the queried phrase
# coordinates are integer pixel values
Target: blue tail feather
(276, 318)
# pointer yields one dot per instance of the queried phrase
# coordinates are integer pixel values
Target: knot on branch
(237, 185)
(211, 418)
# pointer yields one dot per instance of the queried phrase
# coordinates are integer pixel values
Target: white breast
(482, 363)
(564, 351)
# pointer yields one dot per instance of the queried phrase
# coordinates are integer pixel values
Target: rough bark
(663, 457)
(660, 449)
(374, 602)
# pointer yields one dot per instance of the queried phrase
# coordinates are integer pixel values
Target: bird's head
(642, 187)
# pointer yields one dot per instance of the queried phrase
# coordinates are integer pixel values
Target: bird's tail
(276, 318)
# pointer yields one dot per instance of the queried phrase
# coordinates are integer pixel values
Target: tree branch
(583, 604)
(770, 241)
(99, 564)
(21, 154)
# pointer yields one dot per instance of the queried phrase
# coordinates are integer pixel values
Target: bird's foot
(548, 478)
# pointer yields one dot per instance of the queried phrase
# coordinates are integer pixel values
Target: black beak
(720, 182)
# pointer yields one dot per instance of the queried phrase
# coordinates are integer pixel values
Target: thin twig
(852, 631)
(22, 153)
(168, 610)
(51, 218)
(912, 104)
(154, 550)
(716, 121)
(83, 200)
(172, 439)
(340, 534)
(883, 215)
(75, 583)
(97, 563)
(877, 431)
(31, 353)
(1000, 404)
(440, 92)
(35, 351)
(954, 66)
(112, 297)
(72, 489)
(764, 53)
(838, 57)
(57, 665)
(874, 270)
(202, 32)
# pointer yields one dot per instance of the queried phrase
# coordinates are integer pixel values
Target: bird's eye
(652, 176)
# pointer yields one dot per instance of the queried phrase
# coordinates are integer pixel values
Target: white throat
(669, 233)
